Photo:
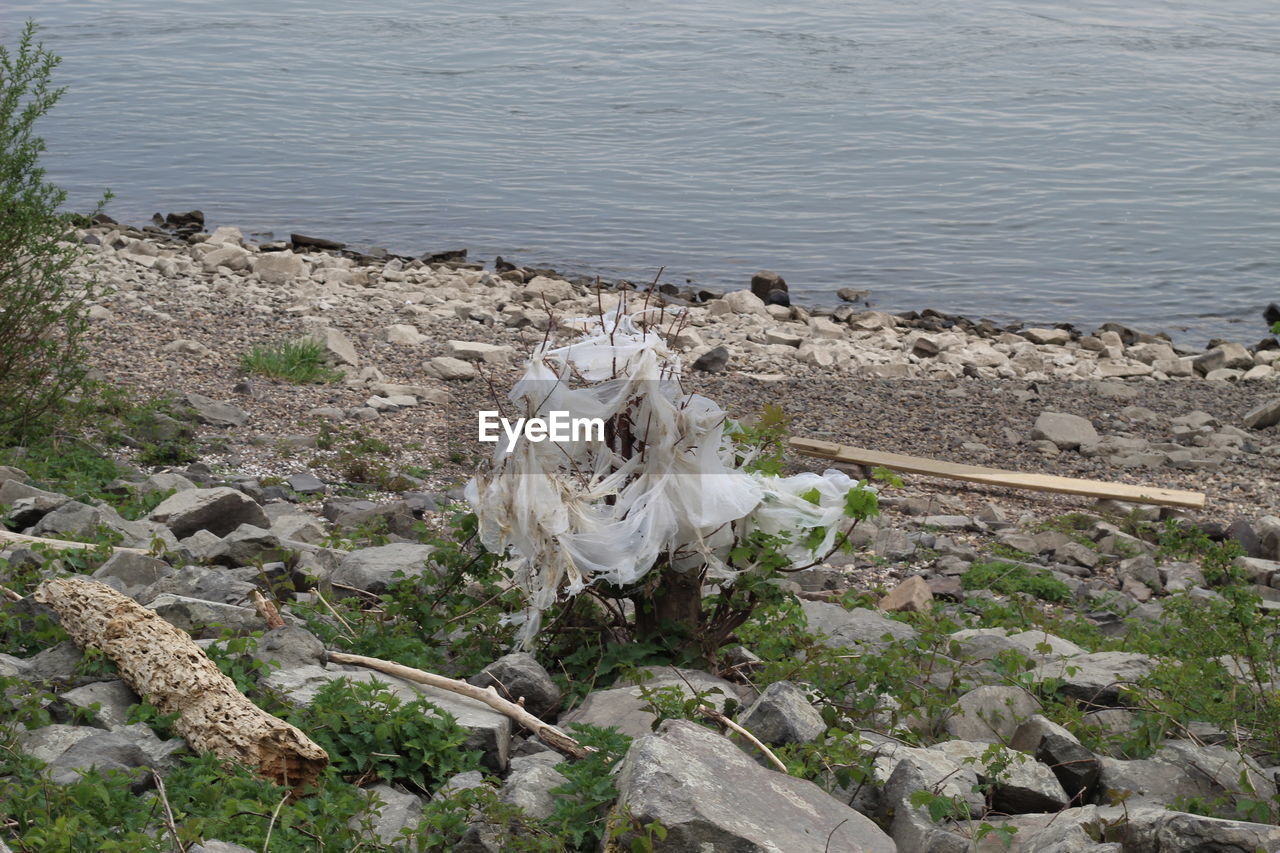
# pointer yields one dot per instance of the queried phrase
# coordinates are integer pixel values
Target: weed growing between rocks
(301, 361)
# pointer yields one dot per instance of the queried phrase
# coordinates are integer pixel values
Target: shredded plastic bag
(664, 484)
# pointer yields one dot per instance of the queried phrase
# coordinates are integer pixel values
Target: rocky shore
(1010, 659)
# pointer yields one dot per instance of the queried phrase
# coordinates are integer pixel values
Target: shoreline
(822, 303)
(425, 346)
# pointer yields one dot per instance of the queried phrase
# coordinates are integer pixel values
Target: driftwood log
(8, 537)
(165, 666)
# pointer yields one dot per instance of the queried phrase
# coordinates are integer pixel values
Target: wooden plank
(996, 476)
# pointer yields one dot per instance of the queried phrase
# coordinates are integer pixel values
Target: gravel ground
(971, 420)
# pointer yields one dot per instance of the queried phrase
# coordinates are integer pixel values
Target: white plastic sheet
(575, 512)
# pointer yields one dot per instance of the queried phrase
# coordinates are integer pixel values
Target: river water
(1019, 159)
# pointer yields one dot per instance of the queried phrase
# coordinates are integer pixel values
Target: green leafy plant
(43, 319)
(1011, 578)
(370, 734)
(301, 361)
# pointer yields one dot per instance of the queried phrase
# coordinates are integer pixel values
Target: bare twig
(9, 594)
(547, 733)
(712, 714)
(345, 624)
(168, 813)
(266, 844)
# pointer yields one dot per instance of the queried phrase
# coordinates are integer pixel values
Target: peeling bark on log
(165, 666)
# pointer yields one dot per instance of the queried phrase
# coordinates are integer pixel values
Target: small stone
(279, 267)
(480, 352)
(1045, 337)
(338, 347)
(1066, 431)
(306, 483)
(449, 368)
(911, 596)
(712, 361)
(215, 413)
(402, 333)
(1266, 414)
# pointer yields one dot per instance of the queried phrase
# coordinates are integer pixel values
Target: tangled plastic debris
(666, 484)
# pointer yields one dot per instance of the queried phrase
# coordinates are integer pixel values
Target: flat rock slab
(490, 731)
(710, 796)
(626, 709)
(1021, 785)
(374, 569)
(1095, 679)
(846, 628)
(219, 510)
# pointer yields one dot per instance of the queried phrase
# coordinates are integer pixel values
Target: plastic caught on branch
(667, 483)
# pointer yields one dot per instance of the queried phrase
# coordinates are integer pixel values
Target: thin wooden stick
(24, 539)
(168, 812)
(547, 733)
(267, 610)
(712, 714)
(9, 594)
(345, 624)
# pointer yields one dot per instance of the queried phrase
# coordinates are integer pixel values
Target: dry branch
(166, 667)
(24, 539)
(712, 714)
(547, 733)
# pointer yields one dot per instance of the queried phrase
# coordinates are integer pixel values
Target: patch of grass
(1011, 578)
(301, 361)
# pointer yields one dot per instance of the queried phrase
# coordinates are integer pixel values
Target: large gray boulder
(911, 827)
(1265, 414)
(1095, 679)
(202, 582)
(106, 751)
(374, 569)
(1019, 783)
(519, 677)
(392, 811)
(843, 628)
(290, 647)
(219, 510)
(783, 714)
(710, 796)
(1157, 830)
(529, 783)
(113, 698)
(135, 570)
(205, 619)
(626, 709)
(990, 713)
(1076, 767)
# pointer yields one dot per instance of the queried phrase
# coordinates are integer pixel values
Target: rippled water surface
(1031, 159)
